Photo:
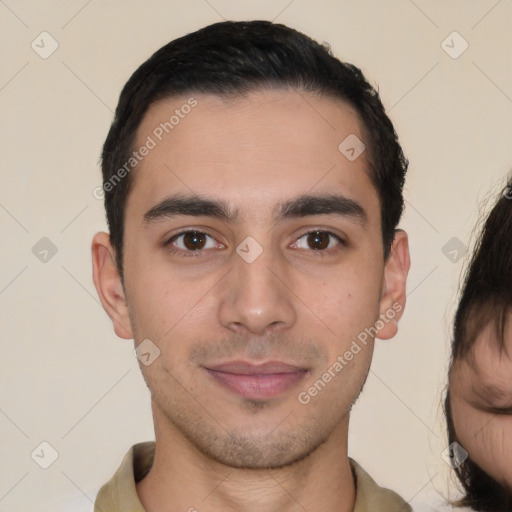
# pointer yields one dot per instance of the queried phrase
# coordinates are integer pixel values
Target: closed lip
(262, 381)
(247, 368)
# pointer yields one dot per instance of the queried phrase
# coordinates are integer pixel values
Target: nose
(257, 297)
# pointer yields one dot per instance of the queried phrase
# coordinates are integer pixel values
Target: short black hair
(233, 58)
(486, 300)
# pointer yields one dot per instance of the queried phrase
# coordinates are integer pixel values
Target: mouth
(257, 382)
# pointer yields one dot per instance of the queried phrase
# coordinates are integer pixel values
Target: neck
(184, 479)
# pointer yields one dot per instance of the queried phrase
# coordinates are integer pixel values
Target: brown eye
(194, 240)
(318, 240)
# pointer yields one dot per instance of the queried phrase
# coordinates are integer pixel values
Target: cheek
(488, 440)
(500, 466)
(349, 302)
(348, 305)
(162, 299)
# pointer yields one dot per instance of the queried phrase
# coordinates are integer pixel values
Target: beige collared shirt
(120, 494)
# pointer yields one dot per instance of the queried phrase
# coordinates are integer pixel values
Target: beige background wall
(67, 379)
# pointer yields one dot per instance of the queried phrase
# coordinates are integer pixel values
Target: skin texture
(481, 401)
(217, 450)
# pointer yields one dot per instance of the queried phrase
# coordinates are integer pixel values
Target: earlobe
(108, 284)
(393, 297)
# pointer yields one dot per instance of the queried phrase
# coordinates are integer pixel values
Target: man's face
(252, 297)
(481, 402)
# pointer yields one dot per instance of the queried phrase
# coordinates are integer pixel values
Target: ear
(392, 302)
(108, 284)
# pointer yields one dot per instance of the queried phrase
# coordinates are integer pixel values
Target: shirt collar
(120, 493)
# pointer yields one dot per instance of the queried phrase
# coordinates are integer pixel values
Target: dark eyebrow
(325, 204)
(194, 206)
(490, 392)
(302, 206)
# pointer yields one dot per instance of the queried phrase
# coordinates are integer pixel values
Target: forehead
(489, 351)
(270, 143)
(487, 367)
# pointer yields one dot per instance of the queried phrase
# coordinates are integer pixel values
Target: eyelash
(196, 253)
(507, 411)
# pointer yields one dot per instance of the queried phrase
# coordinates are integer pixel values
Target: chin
(243, 452)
